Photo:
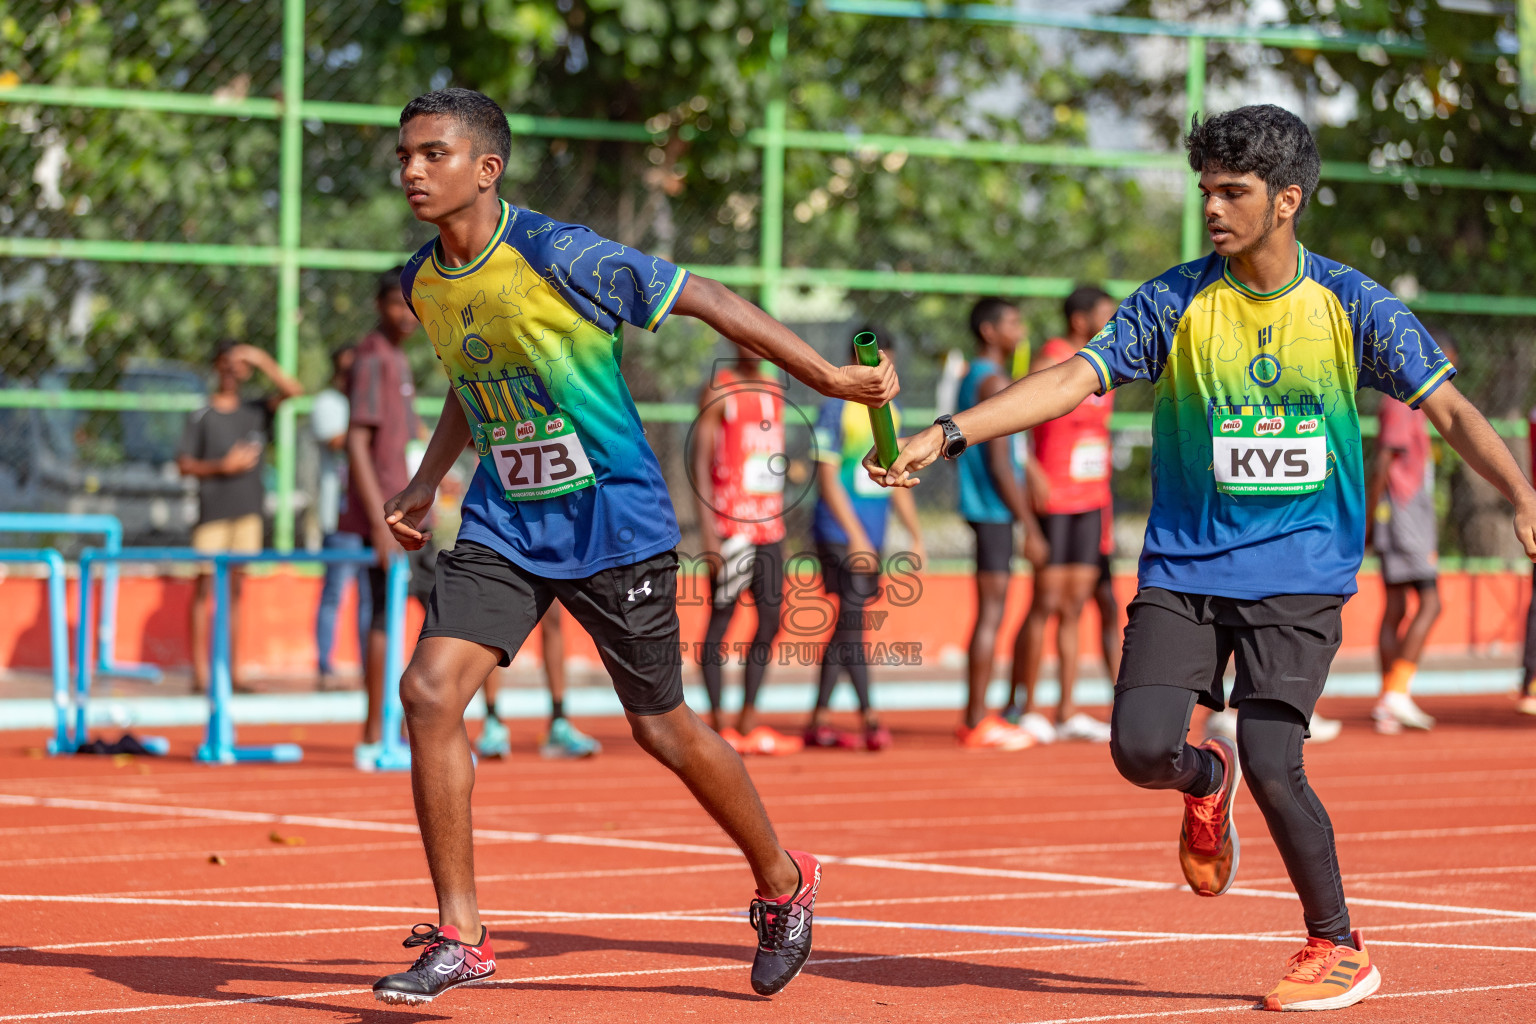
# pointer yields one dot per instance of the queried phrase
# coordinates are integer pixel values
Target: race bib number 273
(537, 458)
(1268, 452)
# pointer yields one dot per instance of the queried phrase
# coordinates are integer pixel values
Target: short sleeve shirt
(382, 398)
(210, 434)
(843, 437)
(530, 329)
(1209, 343)
(1406, 432)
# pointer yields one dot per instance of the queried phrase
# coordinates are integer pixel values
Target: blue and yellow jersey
(843, 438)
(1257, 473)
(527, 333)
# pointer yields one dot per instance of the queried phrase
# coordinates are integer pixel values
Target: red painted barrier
(1484, 614)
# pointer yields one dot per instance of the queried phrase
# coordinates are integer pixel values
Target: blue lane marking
(971, 929)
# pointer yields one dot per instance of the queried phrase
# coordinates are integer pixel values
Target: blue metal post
(396, 753)
(83, 647)
(111, 528)
(58, 640)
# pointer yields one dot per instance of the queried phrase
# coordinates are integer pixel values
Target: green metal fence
(280, 152)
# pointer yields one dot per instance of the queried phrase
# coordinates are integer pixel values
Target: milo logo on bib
(1269, 450)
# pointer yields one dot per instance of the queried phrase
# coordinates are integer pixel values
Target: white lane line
(106, 826)
(264, 851)
(200, 1005)
(1420, 993)
(314, 821)
(1373, 876)
(419, 880)
(1132, 883)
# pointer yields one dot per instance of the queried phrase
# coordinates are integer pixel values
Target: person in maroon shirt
(383, 421)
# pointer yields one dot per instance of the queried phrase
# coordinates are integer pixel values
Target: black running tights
(1149, 725)
(767, 588)
(845, 650)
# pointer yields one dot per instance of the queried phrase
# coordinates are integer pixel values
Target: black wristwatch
(954, 441)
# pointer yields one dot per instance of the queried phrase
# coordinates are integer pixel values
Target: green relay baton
(880, 423)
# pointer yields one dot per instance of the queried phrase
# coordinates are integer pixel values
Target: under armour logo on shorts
(644, 588)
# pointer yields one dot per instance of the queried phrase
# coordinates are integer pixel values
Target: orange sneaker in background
(771, 742)
(993, 733)
(1323, 976)
(732, 737)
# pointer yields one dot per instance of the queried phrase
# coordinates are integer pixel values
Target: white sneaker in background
(1400, 708)
(1038, 726)
(1323, 730)
(1083, 727)
(1222, 723)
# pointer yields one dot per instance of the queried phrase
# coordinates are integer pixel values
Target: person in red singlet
(1072, 466)
(739, 463)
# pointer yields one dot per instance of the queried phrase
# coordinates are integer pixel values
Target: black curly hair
(1267, 141)
(481, 118)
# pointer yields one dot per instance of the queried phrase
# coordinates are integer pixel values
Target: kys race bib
(1268, 450)
(537, 458)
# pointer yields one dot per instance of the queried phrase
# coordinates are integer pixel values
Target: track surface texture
(1017, 888)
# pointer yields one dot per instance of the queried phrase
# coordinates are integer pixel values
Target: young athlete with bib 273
(1258, 509)
(568, 504)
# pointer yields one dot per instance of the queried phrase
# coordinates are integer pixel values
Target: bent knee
(1144, 760)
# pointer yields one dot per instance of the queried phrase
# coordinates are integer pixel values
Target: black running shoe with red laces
(447, 961)
(784, 929)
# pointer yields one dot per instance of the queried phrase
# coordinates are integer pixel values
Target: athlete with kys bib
(568, 504)
(1257, 528)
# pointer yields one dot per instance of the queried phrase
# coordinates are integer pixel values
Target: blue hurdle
(63, 742)
(111, 529)
(218, 745)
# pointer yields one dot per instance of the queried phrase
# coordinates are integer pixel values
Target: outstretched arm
(1474, 439)
(742, 322)
(1025, 403)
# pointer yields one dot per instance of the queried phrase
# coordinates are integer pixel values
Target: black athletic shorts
(630, 611)
(1074, 537)
(1284, 645)
(994, 546)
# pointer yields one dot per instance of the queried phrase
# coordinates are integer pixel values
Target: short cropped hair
(1082, 300)
(389, 281)
(988, 311)
(477, 114)
(1264, 140)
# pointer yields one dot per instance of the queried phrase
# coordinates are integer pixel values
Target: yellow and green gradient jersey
(1222, 357)
(527, 332)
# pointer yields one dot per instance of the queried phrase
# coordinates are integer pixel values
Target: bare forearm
(364, 478)
(449, 437)
(200, 467)
(1029, 402)
(1003, 479)
(748, 326)
(1474, 439)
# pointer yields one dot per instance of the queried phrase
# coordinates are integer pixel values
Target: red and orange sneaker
(992, 733)
(1323, 976)
(447, 961)
(1208, 847)
(784, 928)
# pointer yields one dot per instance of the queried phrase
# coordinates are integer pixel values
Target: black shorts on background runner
(994, 546)
(1284, 645)
(1074, 538)
(630, 611)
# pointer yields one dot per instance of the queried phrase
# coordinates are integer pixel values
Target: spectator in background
(849, 531)
(1070, 473)
(221, 446)
(992, 499)
(382, 422)
(1400, 497)
(329, 421)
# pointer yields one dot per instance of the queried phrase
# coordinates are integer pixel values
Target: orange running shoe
(1208, 847)
(734, 738)
(993, 733)
(763, 740)
(1323, 976)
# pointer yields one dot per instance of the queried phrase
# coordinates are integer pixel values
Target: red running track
(1016, 888)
